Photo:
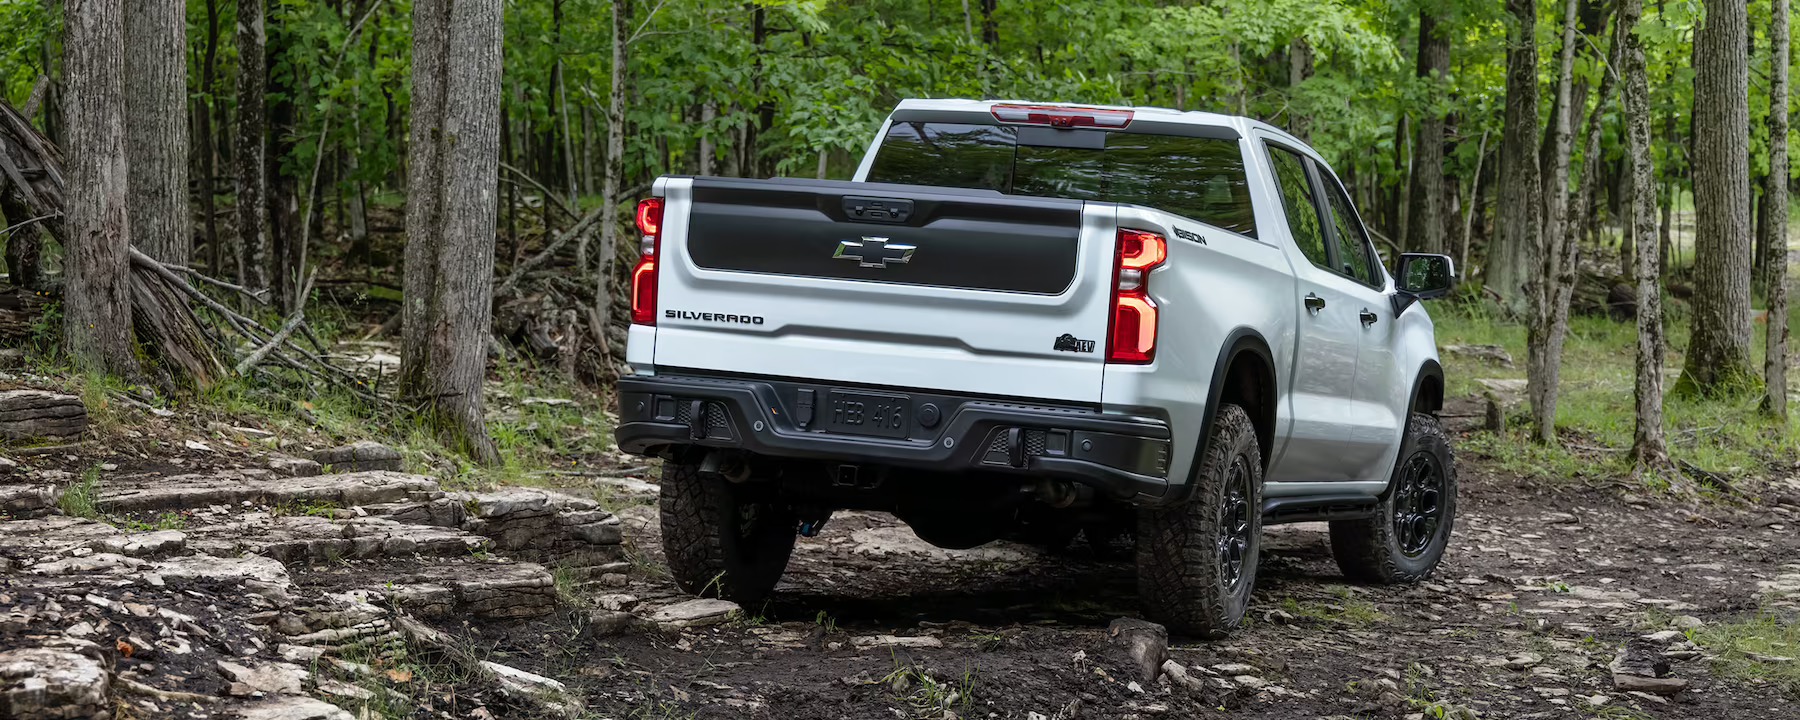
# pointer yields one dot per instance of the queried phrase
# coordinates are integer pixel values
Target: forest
(277, 143)
(313, 329)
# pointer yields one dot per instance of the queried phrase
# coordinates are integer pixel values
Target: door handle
(1314, 303)
(1368, 318)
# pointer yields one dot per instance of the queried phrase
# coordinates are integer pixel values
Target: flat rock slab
(359, 456)
(54, 683)
(546, 527)
(261, 487)
(695, 613)
(488, 590)
(23, 501)
(293, 708)
(305, 538)
(54, 535)
(40, 415)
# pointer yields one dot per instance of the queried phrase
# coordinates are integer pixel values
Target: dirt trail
(1539, 593)
(216, 580)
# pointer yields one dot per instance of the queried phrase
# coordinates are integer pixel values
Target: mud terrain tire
(1196, 562)
(720, 542)
(1381, 550)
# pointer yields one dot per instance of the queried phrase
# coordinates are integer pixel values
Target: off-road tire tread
(695, 509)
(1177, 564)
(1366, 550)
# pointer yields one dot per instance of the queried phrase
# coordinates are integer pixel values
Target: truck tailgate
(885, 285)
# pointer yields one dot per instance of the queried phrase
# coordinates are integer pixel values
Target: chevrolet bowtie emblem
(873, 252)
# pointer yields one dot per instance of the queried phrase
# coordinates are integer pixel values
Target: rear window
(1198, 178)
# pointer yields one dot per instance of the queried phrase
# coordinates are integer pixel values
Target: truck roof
(1162, 115)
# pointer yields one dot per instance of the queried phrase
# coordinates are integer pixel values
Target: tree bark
(615, 162)
(156, 139)
(249, 149)
(1300, 67)
(287, 243)
(1718, 358)
(96, 289)
(1425, 210)
(208, 149)
(451, 216)
(1514, 246)
(1548, 299)
(1775, 197)
(1647, 447)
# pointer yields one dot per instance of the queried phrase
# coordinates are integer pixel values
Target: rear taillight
(643, 277)
(1131, 339)
(1062, 117)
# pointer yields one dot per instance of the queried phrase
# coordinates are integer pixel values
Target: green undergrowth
(540, 443)
(1596, 405)
(1762, 650)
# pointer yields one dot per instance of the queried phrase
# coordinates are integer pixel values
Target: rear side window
(1199, 178)
(1297, 202)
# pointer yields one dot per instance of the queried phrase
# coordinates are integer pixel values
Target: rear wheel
(719, 539)
(1406, 538)
(1197, 561)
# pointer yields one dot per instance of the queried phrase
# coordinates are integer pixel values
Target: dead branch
(549, 197)
(287, 328)
(549, 251)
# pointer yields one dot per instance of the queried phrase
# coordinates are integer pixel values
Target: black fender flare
(1420, 400)
(1238, 342)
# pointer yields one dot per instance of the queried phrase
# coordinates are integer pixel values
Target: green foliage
(1760, 650)
(82, 498)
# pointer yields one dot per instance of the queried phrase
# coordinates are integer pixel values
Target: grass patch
(1347, 609)
(1762, 650)
(927, 698)
(1596, 406)
(81, 499)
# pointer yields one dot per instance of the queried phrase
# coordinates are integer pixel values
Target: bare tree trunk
(1718, 358)
(287, 241)
(208, 150)
(1647, 447)
(156, 139)
(1514, 248)
(451, 215)
(560, 83)
(615, 163)
(1544, 335)
(249, 150)
(1300, 67)
(1425, 213)
(1468, 228)
(1775, 198)
(96, 287)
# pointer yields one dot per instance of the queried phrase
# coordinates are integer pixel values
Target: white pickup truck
(1028, 320)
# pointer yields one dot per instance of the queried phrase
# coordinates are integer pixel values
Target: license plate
(867, 414)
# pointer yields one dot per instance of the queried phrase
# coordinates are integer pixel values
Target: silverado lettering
(713, 317)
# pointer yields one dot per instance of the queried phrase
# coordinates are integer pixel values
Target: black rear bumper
(1121, 456)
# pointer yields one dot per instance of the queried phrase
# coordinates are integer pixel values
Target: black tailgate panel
(972, 239)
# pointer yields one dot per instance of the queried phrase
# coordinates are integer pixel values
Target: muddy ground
(1539, 591)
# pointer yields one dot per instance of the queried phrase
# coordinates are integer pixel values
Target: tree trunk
(1647, 447)
(1425, 209)
(1718, 358)
(1300, 67)
(1548, 298)
(1775, 197)
(990, 29)
(208, 151)
(1514, 247)
(96, 288)
(1468, 228)
(708, 112)
(286, 241)
(559, 82)
(249, 150)
(156, 139)
(615, 162)
(451, 216)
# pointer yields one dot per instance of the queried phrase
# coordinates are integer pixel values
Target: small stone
(1657, 686)
(695, 613)
(293, 707)
(910, 641)
(1524, 660)
(1145, 642)
(1237, 669)
(616, 601)
(1687, 622)
(294, 467)
(1250, 681)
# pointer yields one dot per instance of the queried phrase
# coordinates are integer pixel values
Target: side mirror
(1423, 276)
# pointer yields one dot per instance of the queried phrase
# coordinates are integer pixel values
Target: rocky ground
(152, 576)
